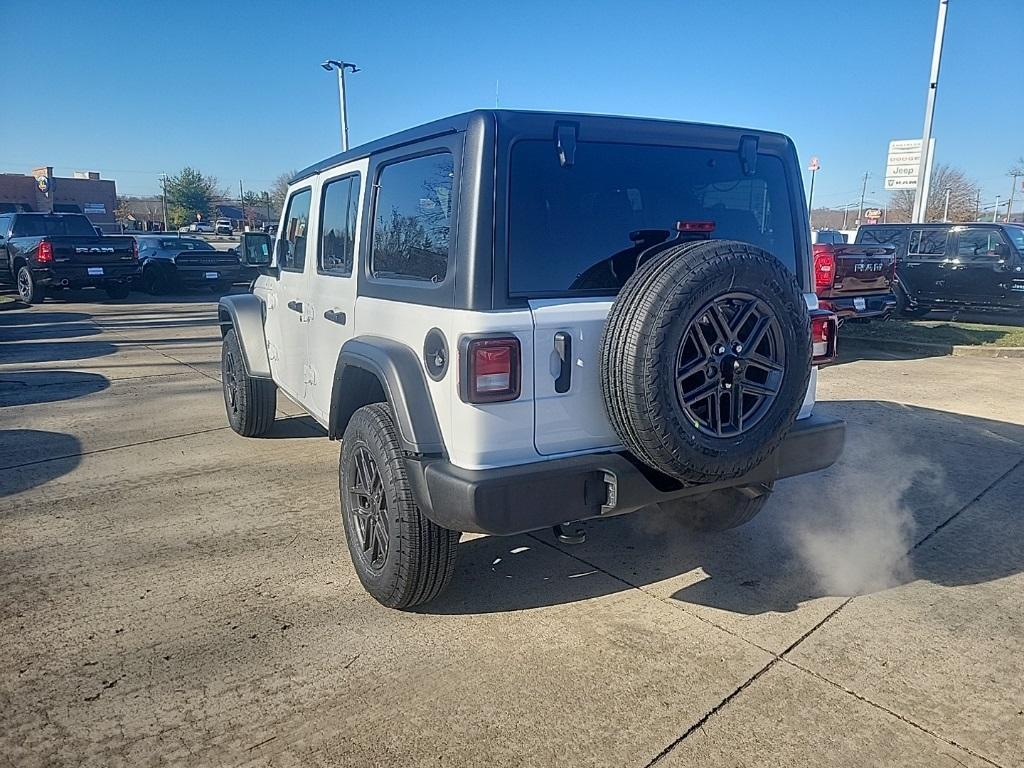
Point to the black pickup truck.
(42, 252)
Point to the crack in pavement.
(781, 657)
(114, 447)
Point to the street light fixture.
(341, 66)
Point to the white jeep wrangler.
(514, 320)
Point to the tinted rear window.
(53, 226)
(566, 224)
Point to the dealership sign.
(903, 163)
(94, 208)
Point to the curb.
(958, 350)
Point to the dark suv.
(956, 266)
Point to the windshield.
(1016, 235)
(185, 244)
(42, 225)
(569, 227)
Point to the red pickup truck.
(855, 281)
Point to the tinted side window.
(881, 235)
(338, 225)
(292, 255)
(5, 224)
(978, 244)
(928, 242)
(412, 219)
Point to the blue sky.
(134, 89)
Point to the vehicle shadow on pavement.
(33, 387)
(850, 529)
(14, 479)
(53, 351)
(294, 427)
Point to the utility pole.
(266, 196)
(1009, 205)
(863, 191)
(241, 200)
(923, 171)
(995, 211)
(341, 66)
(945, 212)
(163, 178)
(977, 207)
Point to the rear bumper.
(846, 307)
(509, 500)
(75, 276)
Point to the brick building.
(85, 192)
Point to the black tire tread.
(425, 560)
(650, 301)
(258, 396)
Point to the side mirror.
(256, 249)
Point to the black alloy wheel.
(730, 364)
(369, 510)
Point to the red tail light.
(135, 249)
(824, 267)
(491, 368)
(695, 226)
(824, 333)
(44, 253)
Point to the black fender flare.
(399, 371)
(244, 313)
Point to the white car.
(197, 226)
(223, 227)
(519, 320)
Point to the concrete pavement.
(175, 594)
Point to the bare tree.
(963, 197)
(279, 189)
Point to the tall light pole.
(341, 66)
(945, 211)
(923, 180)
(995, 211)
(814, 167)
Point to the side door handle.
(563, 348)
(335, 316)
(295, 306)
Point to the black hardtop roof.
(462, 121)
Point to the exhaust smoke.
(858, 537)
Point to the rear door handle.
(335, 316)
(563, 348)
(295, 306)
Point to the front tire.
(720, 510)
(401, 557)
(29, 291)
(250, 402)
(155, 281)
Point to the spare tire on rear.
(705, 359)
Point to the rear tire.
(720, 510)
(118, 291)
(401, 557)
(250, 402)
(29, 291)
(905, 309)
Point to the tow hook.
(570, 533)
